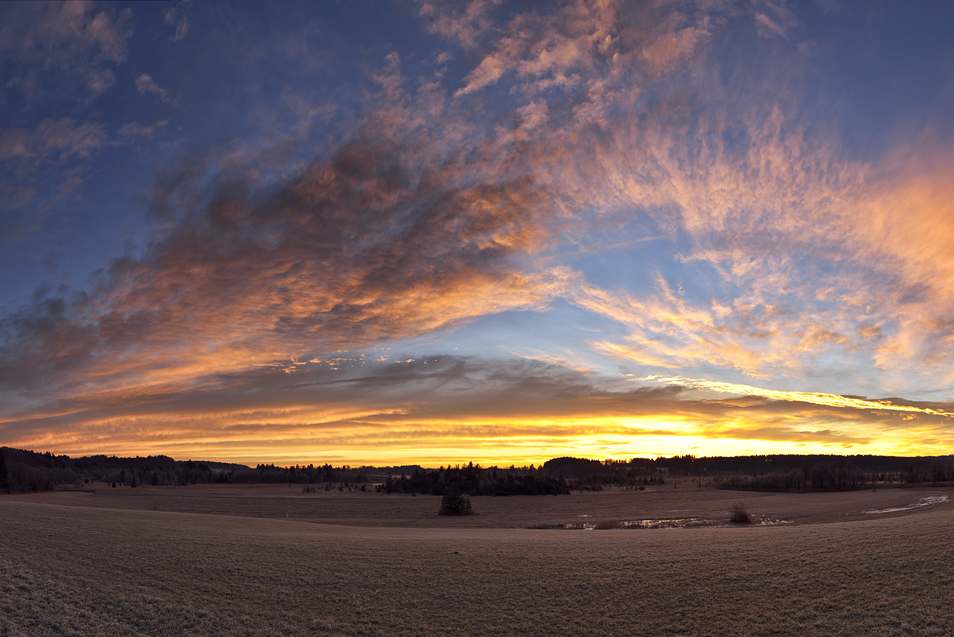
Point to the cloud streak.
(815, 398)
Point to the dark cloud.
(339, 250)
(42, 343)
(373, 241)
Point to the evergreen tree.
(455, 503)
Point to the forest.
(763, 473)
(22, 471)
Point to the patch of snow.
(923, 502)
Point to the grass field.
(124, 570)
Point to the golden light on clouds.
(583, 425)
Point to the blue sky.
(419, 231)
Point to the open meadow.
(225, 559)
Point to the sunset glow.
(481, 231)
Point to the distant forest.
(22, 471)
(762, 473)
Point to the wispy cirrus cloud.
(803, 277)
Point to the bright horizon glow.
(476, 231)
(488, 444)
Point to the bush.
(739, 514)
(455, 503)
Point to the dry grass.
(68, 570)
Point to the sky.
(411, 231)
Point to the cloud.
(73, 38)
(808, 252)
(315, 395)
(145, 84)
(137, 131)
(176, 17)
(363, 245)
(548, 50)
(374, 241)
(774, 19)
(906, 234)
(99, 81)
(674, 42)
(463, 23)
(53, 140)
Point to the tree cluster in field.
(310, 475)
(472, 479)
(593, 475)
(455, 503)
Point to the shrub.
(455, 503)
(739, 514)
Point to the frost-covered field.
(835, 570)
(678, 500)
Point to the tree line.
(840, 475)
(767, 472)
(22, 470)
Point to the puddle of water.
(666, 523)
(923, 502)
